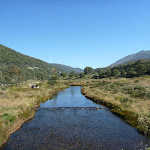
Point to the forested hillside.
(11, 57)
(129, 70)
(15, 67)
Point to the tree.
(88, 70)
(140, 69)
(2, 78)
(76, 75)
(72, 74)
(101, 74)
(8, 80)
(81, 75)
(96, 75)
(14, 73)
(116, 73)
(108, 72)
(63, 74)
(52, 80)
(131, 73)
(148, 69)
(123, 73)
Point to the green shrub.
(118, 84)
(52, 80)
(136, 81)
(123, 99)
(137, 92)
(139, 88)
(8, 119)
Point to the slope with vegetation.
(140, 55)
(129, 70)
(16, 67)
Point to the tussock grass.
(17, 105)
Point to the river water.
(71, 121)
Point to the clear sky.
(77, 33)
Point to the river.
(71, 121)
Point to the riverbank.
(18, 105)
(128, 116)
(127, 98)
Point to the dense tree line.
(71, 75)
(129, 70)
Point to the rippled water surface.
(71, 121)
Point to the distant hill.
(67, 69)
(137, 56)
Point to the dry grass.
(17, 104)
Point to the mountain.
(67, 69)
(133, 57)
(15, 67)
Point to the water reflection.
(70, 97)
(72, 91)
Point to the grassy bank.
(127, 98)
(18, 105)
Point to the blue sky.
(77, 33)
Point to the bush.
(136, 81)
(118, 84)
(8, 119)
(139, 88)
(52, 80)
(72, 74)
(63, 74)
(137, 92)
(81, 75)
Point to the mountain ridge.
(143, 54)
(66, 68)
